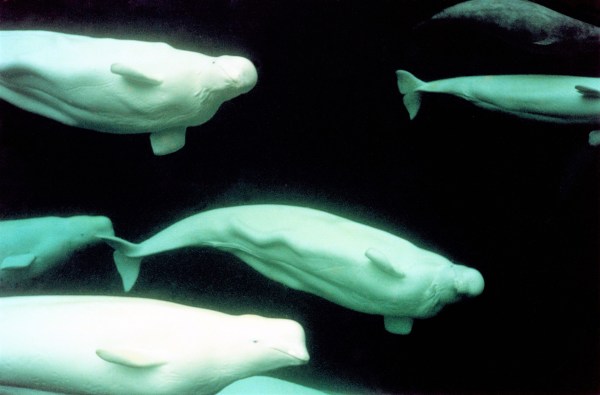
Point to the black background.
(325, 127)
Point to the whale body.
(353, 265)
(521, 22)
(29, 247)
(118, 86)
(550, 98)
(115, 345)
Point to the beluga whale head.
(271, 343)
(241, 72)
(453, 283)
(436, 284)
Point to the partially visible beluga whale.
(118, 86)
(262, 385)
(130, 346)
(558, 99)
(30, 247)
(525, 23)
(353, 265)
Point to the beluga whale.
(29, 247)
(559, 99)
(348, 263)
(110, 345)
(118, 86)
(524, 23)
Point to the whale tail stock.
(128, 266)
(408, 85)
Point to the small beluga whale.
(353, 265)
(524, 23)
(29, 247)
(557, 99)
(131, 346)
(118, 86)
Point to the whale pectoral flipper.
(588, 92)
(130, 357)
(398, 325)
(167, 141)
(134, 74)
(382, 262)
(547, 41)
(15, 262)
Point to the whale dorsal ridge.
(15, 262)
(381, 261)
(134, 74)
(130, 357)
(586, 91)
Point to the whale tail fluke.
(408, 85)
(127, 265)
(128, 268)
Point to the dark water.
(326, 127)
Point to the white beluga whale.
(131, 346)
(118, 86)
(29, 247)
(353, 265)
(557, 99)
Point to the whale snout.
(290, 340)
(468, 281)
(240, 70)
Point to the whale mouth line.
(299, 359)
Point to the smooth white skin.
(55, 343)
(325, 255)
(549, 98)
(261, 385)
(75, 80)
(48, 240)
